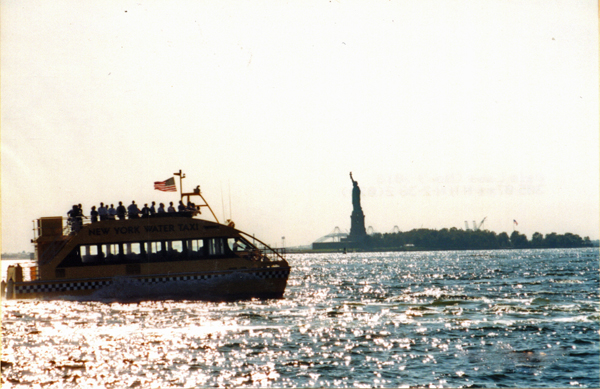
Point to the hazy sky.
(444, 111)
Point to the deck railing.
(269, 252)
(274, 254)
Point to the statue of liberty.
(357, 227)
(355, 195)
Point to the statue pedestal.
(357, 226)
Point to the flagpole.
(181, 177)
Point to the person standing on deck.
(133, 211)
(103, 212)
(73, 214)
(121, 211)
(145, 211)
(112, 212)
(94, 214)
(79, 216)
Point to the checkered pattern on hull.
(37, 287)
(63, 287)
(264, 275)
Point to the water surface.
(519, 318)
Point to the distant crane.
(476, 227)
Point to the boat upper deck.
(158, 226)
(169, 235)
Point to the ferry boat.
(163, 256)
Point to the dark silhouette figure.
(355, 195)
(357, 227)
(94, 214)
(121, 211)
(133, 211)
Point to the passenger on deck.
(181, 207)
(72, 213)
(121, 211)
(152, 209)
(133, 211)
(191, 206)
(80, 214)
(112, 212)
(94, 214)
(171, 208)
(145, 211)
(103, 212)
(161, 208)
(73, 216)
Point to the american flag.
(514, 221)
(166, 186)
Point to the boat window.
(239, 244)
(103, 250)
(112, 249)
(92, 250)
(91, 253)
(177, 245)
(155, 247)
(189, 249)
(216, 246)
(84, 251)
(195, 245)
(134, 248)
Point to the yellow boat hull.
(210, 286)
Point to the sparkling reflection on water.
(527, 318)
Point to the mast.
(181, 177)
(196, 192)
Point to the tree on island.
(455, 239)
(503, 240)
(518, 241)
(537, 240)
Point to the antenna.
(222, 202)
(229, 183)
